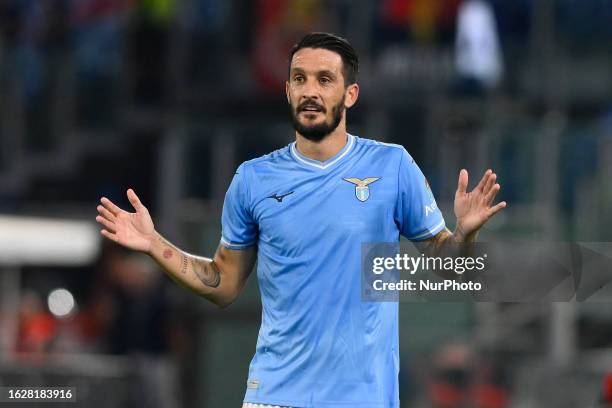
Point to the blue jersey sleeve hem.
(232, 245)
(428, 233)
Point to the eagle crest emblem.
(362, 189)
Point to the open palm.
(474, 208)
(132, 230)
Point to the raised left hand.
(473, 209)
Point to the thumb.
(463, 181)
(134, 200)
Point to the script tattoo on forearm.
(207, 273)
(183, 263)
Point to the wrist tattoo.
(207, 273)
(168, 252)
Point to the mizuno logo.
(279, 198)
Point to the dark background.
(169, 97)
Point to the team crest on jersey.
(362, 189)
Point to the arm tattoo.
(168, 252)
(183, 263)
(207, 273)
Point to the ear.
(287, 92)
(351, 95)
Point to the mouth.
(311, 109)
(310, 114)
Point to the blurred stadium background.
(169, 96)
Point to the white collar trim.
(323, 165)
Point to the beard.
(318, 132)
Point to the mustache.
(310, 104)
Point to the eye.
(325, 80)
(298, 78)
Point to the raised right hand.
(132, 230)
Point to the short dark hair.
(334, 43)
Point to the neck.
(323, 149)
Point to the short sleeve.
(416, 212)
(238, 228)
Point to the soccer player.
(303, 212)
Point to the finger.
(108, 204)
(109, 235)
(109, 225)
(463, 181)
(497, 208)
(483, 180)
(105, 213)
(134, 200)
(489, 184)
(490, 195)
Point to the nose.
(310, 91)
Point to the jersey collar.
(327, 163)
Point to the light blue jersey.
(319, 344)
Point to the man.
(304, 211)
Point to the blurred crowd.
(124, 308)
(99, 34)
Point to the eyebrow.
(298, 70)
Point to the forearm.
(451, 244)
(198, 274)
(447, 244)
